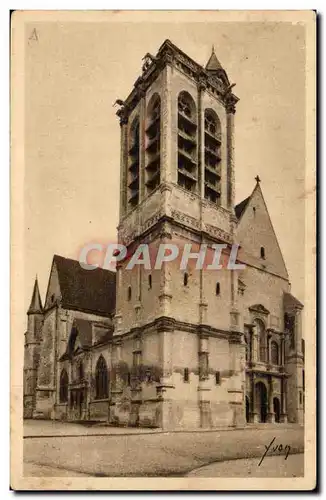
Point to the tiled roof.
(240, 208)
(87, 290)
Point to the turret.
(32, 350)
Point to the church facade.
(173, 347)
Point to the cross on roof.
(257, 179)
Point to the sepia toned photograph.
(163, 250)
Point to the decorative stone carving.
(185, 219)
(218, 233)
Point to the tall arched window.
(63, 396)
(212, 156)
(274, 353)
(133, 168)
(101, 379)
(187, 142)
(262, 340)
(153, 143)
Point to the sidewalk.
(52, 428)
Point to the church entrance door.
(261, 398)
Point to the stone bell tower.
(177, 186)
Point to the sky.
(74, 72)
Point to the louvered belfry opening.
(133, 168)
(153, 143)
(212, 156)
(187, 142)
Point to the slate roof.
(82, 329)
(87, 290)
(240, 208)
(213, 63)
(291, 302)
(36, 302)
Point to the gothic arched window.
(63, 396)
(212, 156)
(262, 339)
(153, 143)
(274, 353)
(187, 142)
(133, 164)
(101, 379)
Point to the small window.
(128, 379)
(217, 378)
(52, 297)
(185, 279)
(129, 292)
(300, 397)
(186, 375)
(80, 371)
(262, 252)
(149, 281)
(217, 289)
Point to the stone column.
(166, 272)
(123, 165)
(298, 330)
(283, 416)
(251, 345)
(166, 127)
(142, 143)
(201, 86)
(203, 383)
(118, 286)
(165, 388)
(117, 385)
(254, 344)
(230, 109)
(282, 352)
(253, 414)
(268, 354)
(270, 413)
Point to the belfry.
(171, 347)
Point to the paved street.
(107, 452)
(275, 466)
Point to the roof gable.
(81, 289)
(255, 231)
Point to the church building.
(173, 348)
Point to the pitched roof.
(88, 290)
(36, 302)
(82, 329)
(291, 302)
(240, 208)
(213, 63)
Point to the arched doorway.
(261, 401)
(276, 407)
(247, 409)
